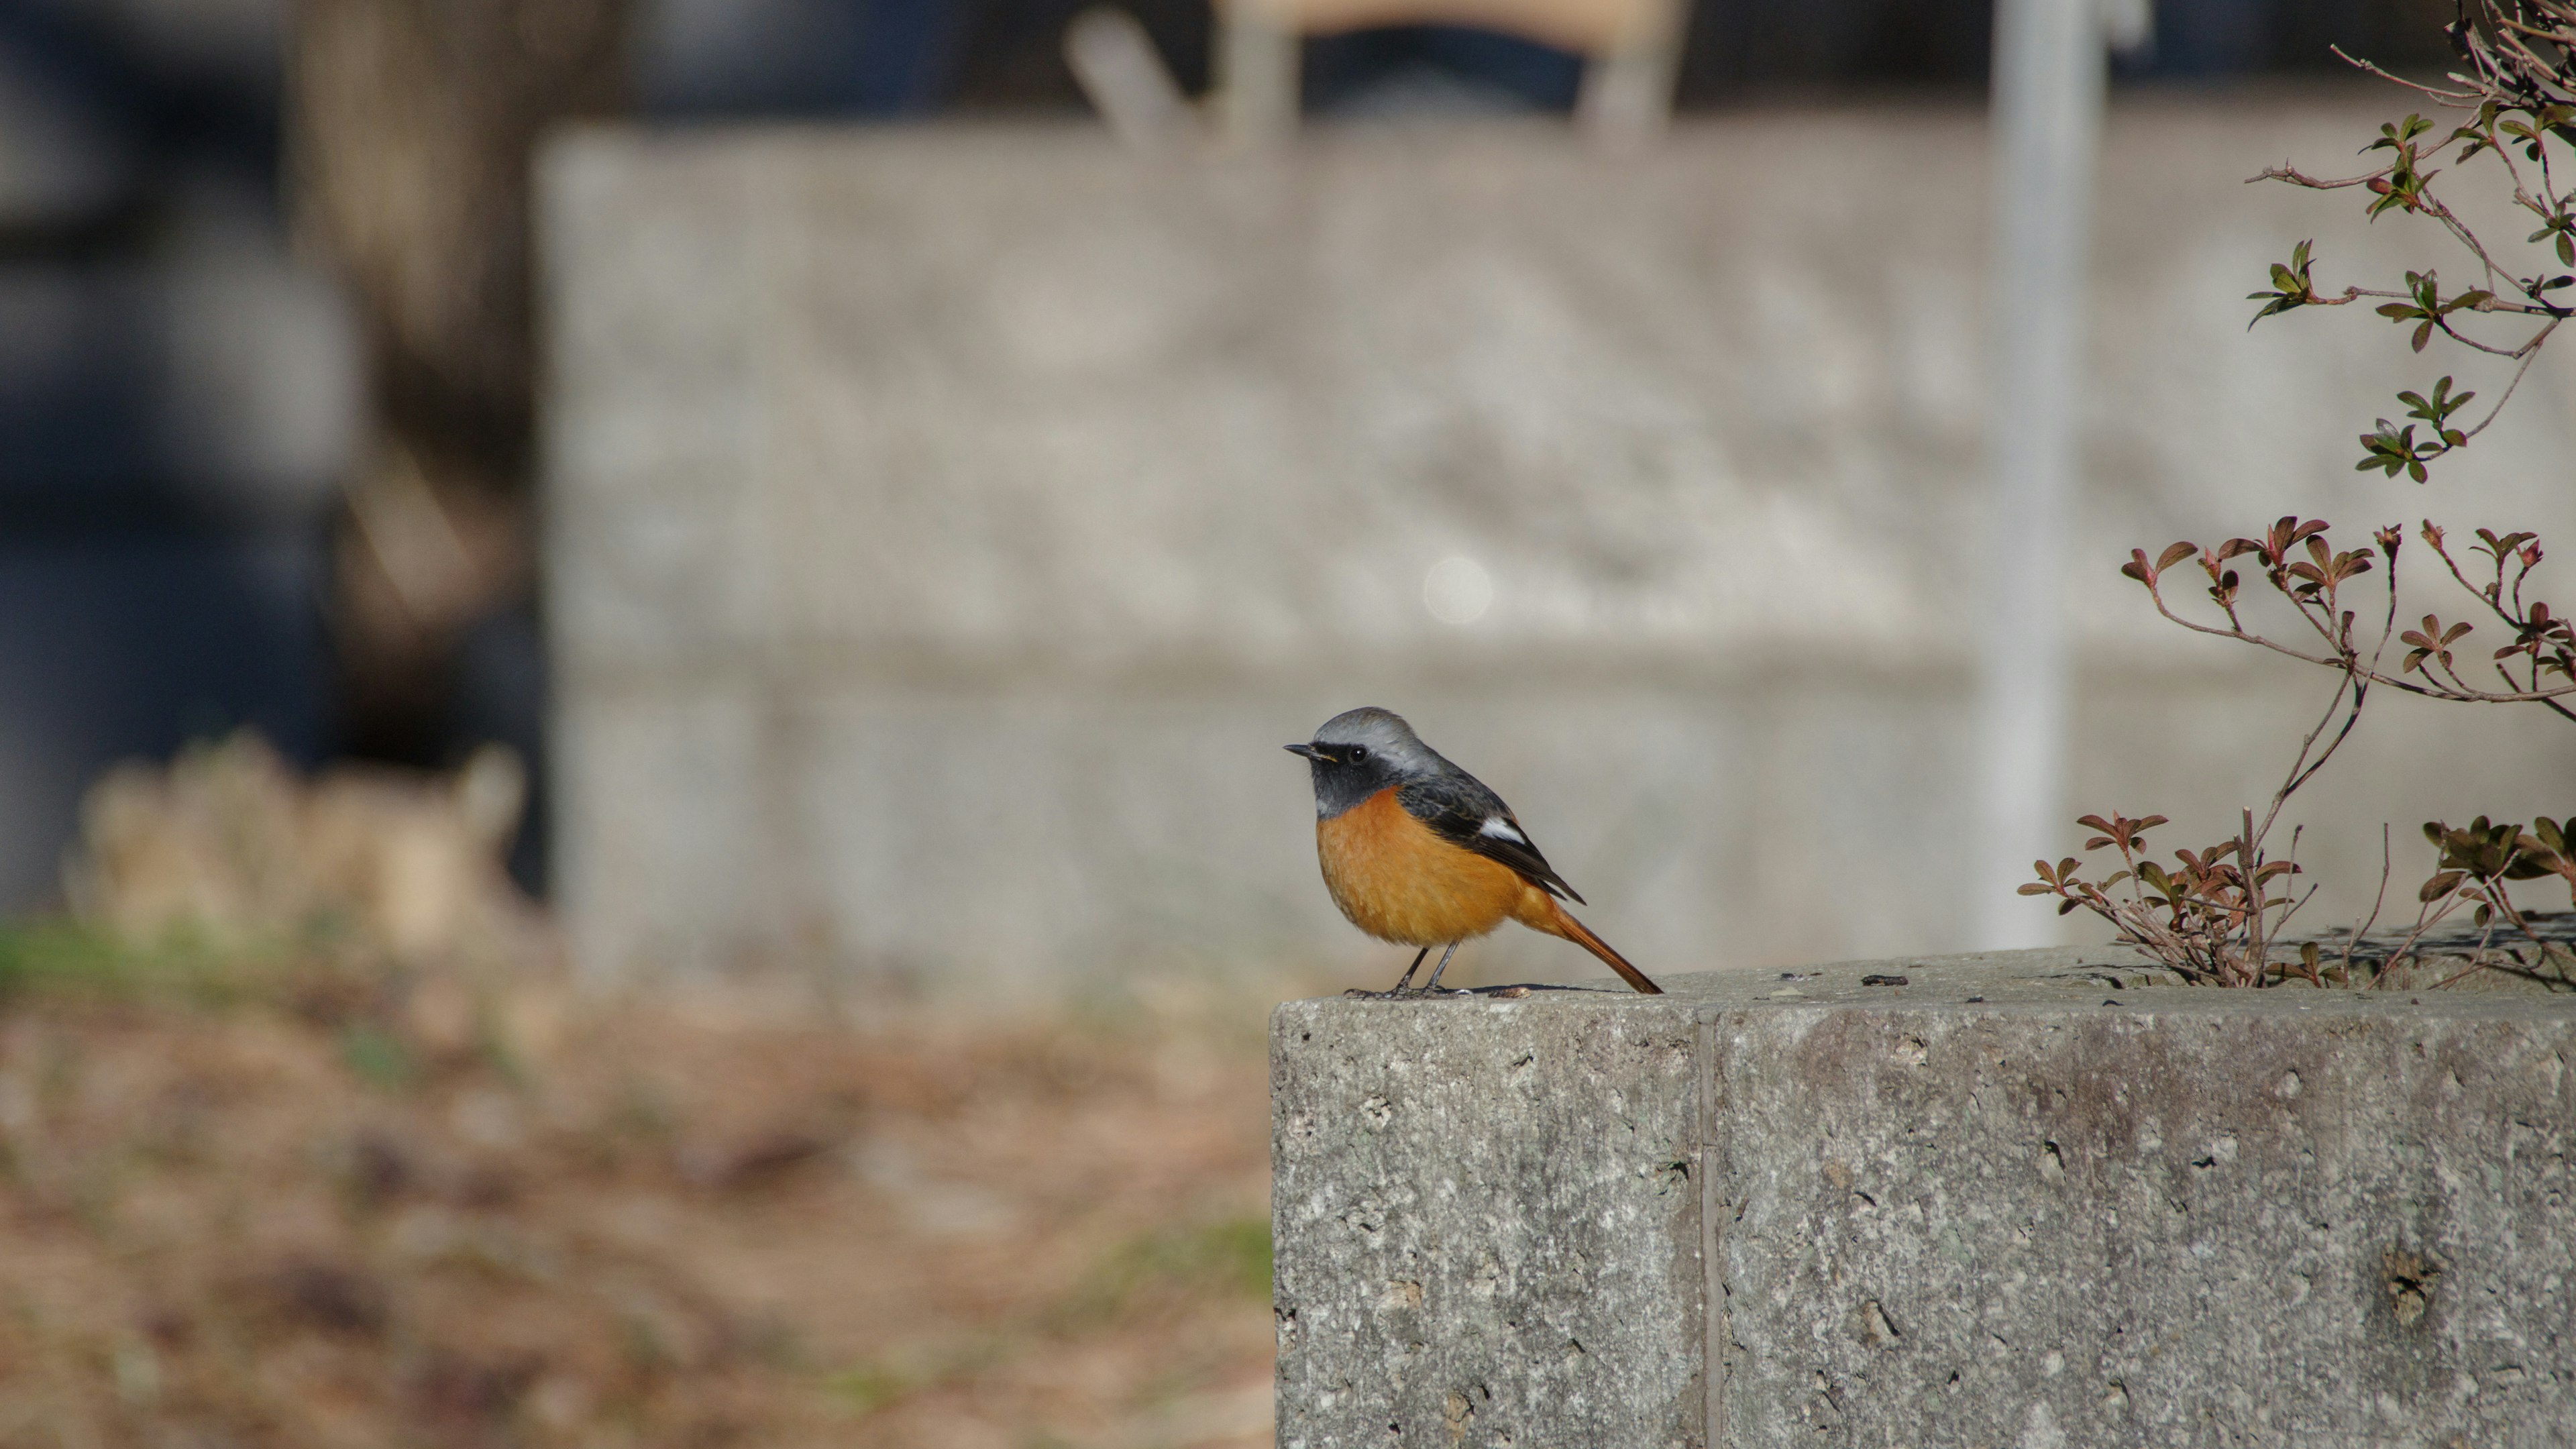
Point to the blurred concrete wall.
(947, 526)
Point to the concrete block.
(2028, 1199)
(1487, 1225)
(677, 857)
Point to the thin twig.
(2529, 351)
(2449, 98)
(2376, 902)
(2461, 694)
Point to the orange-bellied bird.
(1418, 852)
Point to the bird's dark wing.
(1459, 808)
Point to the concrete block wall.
(2030, 1199)
(947, 525)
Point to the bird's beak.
(1309, 751)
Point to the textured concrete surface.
(2023, 1200)
(947, 525)
(1417, 1155)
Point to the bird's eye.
(1359, 753)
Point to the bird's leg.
(1434, 983)
(1407, 979)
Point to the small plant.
(2207, 919)
(2519, 86)
(2217, 915)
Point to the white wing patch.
(1501, 829)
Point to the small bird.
(1418, 852)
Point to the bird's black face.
(1346, 774)
(1360, 752)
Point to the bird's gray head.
(1362, 751)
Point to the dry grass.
(349, 1210)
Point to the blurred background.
(646, 640)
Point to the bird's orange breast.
(1399, 881)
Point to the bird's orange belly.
(1399, 881)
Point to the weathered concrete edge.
(1417, 1075)
(2059, 986)
(1833, 1080)
(1715, 1310)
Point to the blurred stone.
(947, 526)
(231, 845)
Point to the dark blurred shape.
(124, 641)
(97, 96)
(500, 694)
(175, 407)
(1436, 67)
(2406, 35)
(2197, 39)
(803, 57)
(1611, 62)
(69, 160)
(1735, 47)
(1008, 57)
(1740, 49)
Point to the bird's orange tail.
(1555, 920)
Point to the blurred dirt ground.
(313, 1205)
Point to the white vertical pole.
(1257, 61)
(2048, 89)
